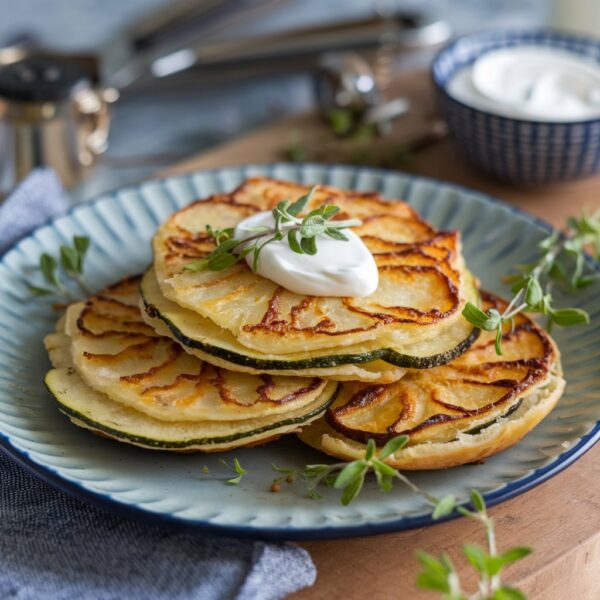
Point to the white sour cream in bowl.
(531, 82)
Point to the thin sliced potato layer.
(421, 290)
(117, 354)
(439, 406)
(464, 449)
(95, 411)
(361, 362)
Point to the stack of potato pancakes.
(214, 360)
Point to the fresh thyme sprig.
(71, 262)
(301, 235)
(350, 477)
(562, 262)
(438, 574)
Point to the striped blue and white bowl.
(512, 149)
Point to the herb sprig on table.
(301, 234)
(438, 574)
(70, 264)
(561, 262)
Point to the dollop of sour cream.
(339, 268)
(531, 82)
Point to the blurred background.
(189, 75)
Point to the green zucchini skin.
(332, 360)
(480, 428)
(183, 444)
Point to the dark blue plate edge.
(142, 515)
(137, 513)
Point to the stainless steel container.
(51, 114)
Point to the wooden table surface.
(561, 517)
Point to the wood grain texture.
(561, 517)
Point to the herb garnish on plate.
(562, 262)
(71, 262)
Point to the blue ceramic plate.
(172, 488)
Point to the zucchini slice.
(455, 413)
(116, 353)
(204, 338)
(96, 411)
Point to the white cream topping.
(531, 82)
(339, 268)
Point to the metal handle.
(409, 31)
(93, 123)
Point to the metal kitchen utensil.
(164, 55)
(54, 109)
(51, 114)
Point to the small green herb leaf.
(352, 490)
(295, 208)
(474, 314)
(350, 473)
(498, 341)
(225, 261)
(371, 447)
(444, 507)
(285, 470)
(69, 259)
(382, 468)
(336, 234)
(488, 321)
(533, 292)
(476, 556)
(393, 445)
(81, 244)
(312, 471)
(385, 482)
(293, 241)
(477, 501)
(550, 241)
(313, 226)
(567, 317)
(435, 574)
(309, 245)
(238, 469)
(48, 267)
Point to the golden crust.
(464, 450)
(443, 409)
(434, 405)
(377, 371)
(93, 410)
(420, 274)
(118, 354)
(209, 342)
